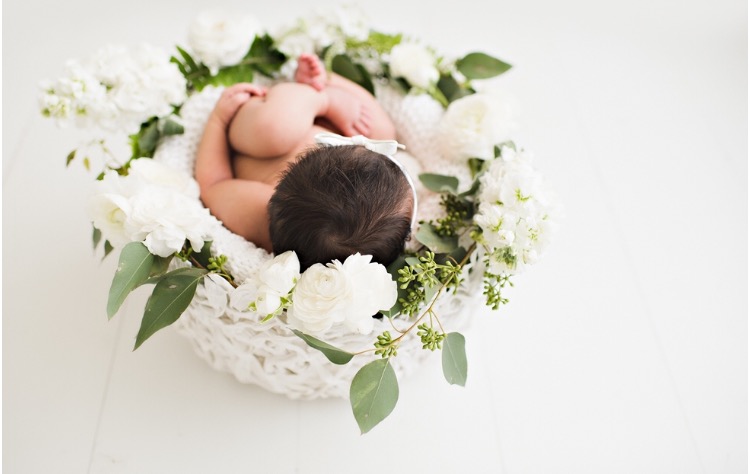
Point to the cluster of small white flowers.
(154, 204)
(415, 63)
(515, 213)
(321, 297)
(324, 29)
(472, 125)
(116, 89)
(218, 38)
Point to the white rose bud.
(414, 63)
(280, 273)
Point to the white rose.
(221, 39)
(109, 212)
(154, 172)
(414, 63)
(373, 289)
(165, 218)
(280, 273)
(472, 126)
(322, 297)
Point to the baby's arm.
(239, 204)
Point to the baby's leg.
(274, 125)
(379, 123)
(352, 109)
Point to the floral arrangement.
(498, 222)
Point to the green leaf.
(345, 67)
(475, 165)
(439, 183)
(87, 163)
(373, 394)
(265, 58)
(70, 157)
(96, 237)
(334, 354)
(435, 242)
(205, 253)
(382, 42)
(148, 138)
(171, 297)
(448, 86)
(158, 269)
(454, 359)
(481, 66)
(171, 127)
(366, 81)
(189, 61)
(132, 270)
(232, 75)
(108, 248)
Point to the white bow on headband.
(384, 147)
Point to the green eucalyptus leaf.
(345, 67)
(96, 237)
(108, 248)
(454, 359)
(481, 66)
(132, 269)
(148, 138)
(439, 183)
(158, 269)
(334, 354)
(435, 242)
(476, 165)
(171, 127)
(171, 297)
(448, 86)
(463, 92)
(366, 81)
(70, 157)
(431, 291)
(373, 394)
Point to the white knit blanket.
(269, 354)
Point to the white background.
(623, 351)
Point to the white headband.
(387, 148)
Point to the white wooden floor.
(624, 351)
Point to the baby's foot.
(346, 112)
(310, 71)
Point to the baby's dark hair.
(336, 201)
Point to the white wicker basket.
(269, 354)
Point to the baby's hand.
(232, 99)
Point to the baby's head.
(336, 201)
